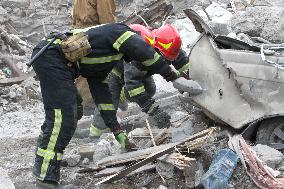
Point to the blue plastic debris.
(220, 170)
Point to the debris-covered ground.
(24, 23)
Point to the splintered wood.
(178, 160)
(151, 154)
(155, 12)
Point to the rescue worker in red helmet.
(98, 49)
(127, 82)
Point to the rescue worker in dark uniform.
(99, 49)
(128, 83)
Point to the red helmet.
(144, 32)
(168, 41)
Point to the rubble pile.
(172, 160)
(260, 21)
(14, 52)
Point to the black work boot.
(52, 185)
(159, 118)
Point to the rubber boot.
(96, 132)
(52, 185)
(159, 118)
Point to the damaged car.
(243, 84)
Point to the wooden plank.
(130, 156)
(155, 155)
(156, 11)
(114, 170)
(159, 138)
(12, 81)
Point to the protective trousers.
(103, 100)
(139, 87)
(59, 99)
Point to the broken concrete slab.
(166, 170)
(87, 150)
(182, 132)
(5, 181)
(100, 152)
(260, 22)
(193, 174)
(272, 157)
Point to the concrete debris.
(260, 22)
(153, 153)
(100, 152)
(86, 161)
(24, 23)
(87, 150)
(182, 132)
(72, 160)
(170, 165)
(273, 158)
(5, 181)
(193, 173)
(166, 170)
(162, 187)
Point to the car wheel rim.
(276, 139)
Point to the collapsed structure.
(88, 160)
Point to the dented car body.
(240, 84)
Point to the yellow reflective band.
(151, 61)
(52, 142)
(152, 108)
(116, 72)
(126, 35)
(105, 81)
(96, 132)
(122, 95)
(136, 91)
(57, 41)
(76, 31)
(48, 154)
(184, 68)
(106, 107)
(45, 153)
(59, 156)
(152, 41)
(166, 45)
(101, 60)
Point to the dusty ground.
(22, 114)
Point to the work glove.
(190, 86)
(171, 76)
(123, 140)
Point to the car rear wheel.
(271, 133)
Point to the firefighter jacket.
(112, 43)
(93, 12)
(181, 65)
(127, 82)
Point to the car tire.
(271, 133)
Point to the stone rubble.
(24, 23)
